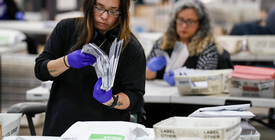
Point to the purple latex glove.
(169, 78)
(101, 95)
(156, 63)
(19, 15)
(78, 60)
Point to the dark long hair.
(85, 26)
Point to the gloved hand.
(19, 15)
(169, 78)
(156, 63)
(78, 60)
(101, 95)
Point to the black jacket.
(71, 96)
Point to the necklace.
(102, 43)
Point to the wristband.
(115, 102)
(65, 61)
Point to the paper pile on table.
(250, 81)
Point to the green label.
(106, 137)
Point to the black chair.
(33, 108)
(30, 109)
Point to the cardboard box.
(249, 81)
(252, 88)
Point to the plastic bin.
(218, 81)
(261, 45)
(198, 128)
(10, 124)
(233, 44)
(256, 136)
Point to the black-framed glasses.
(189, 22)
(102, 10)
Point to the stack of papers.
(105, 66)
(179, 56)
(224, 111)
(253, 73)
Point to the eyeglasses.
(102, 10)
(180, 21)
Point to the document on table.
(105, 130)
(224, 111)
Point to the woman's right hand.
(156, 63)
(78, 60)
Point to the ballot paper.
(224, 111)
(105, 130)
(105, 65)
(179, 56)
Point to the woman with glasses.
(189, 23)
(75, 94)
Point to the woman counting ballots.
(75, 93)
(190, 24)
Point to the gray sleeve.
(155, 47)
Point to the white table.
(221, 99)
(243, 56)
(158, 91)
(32, 27)
(12, 49)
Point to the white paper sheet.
(178, 57)
(224, 111)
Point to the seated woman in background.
(190, 24)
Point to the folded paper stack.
(105, 66)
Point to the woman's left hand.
(101, 95)
(169, 78)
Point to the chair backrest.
(224, 61)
